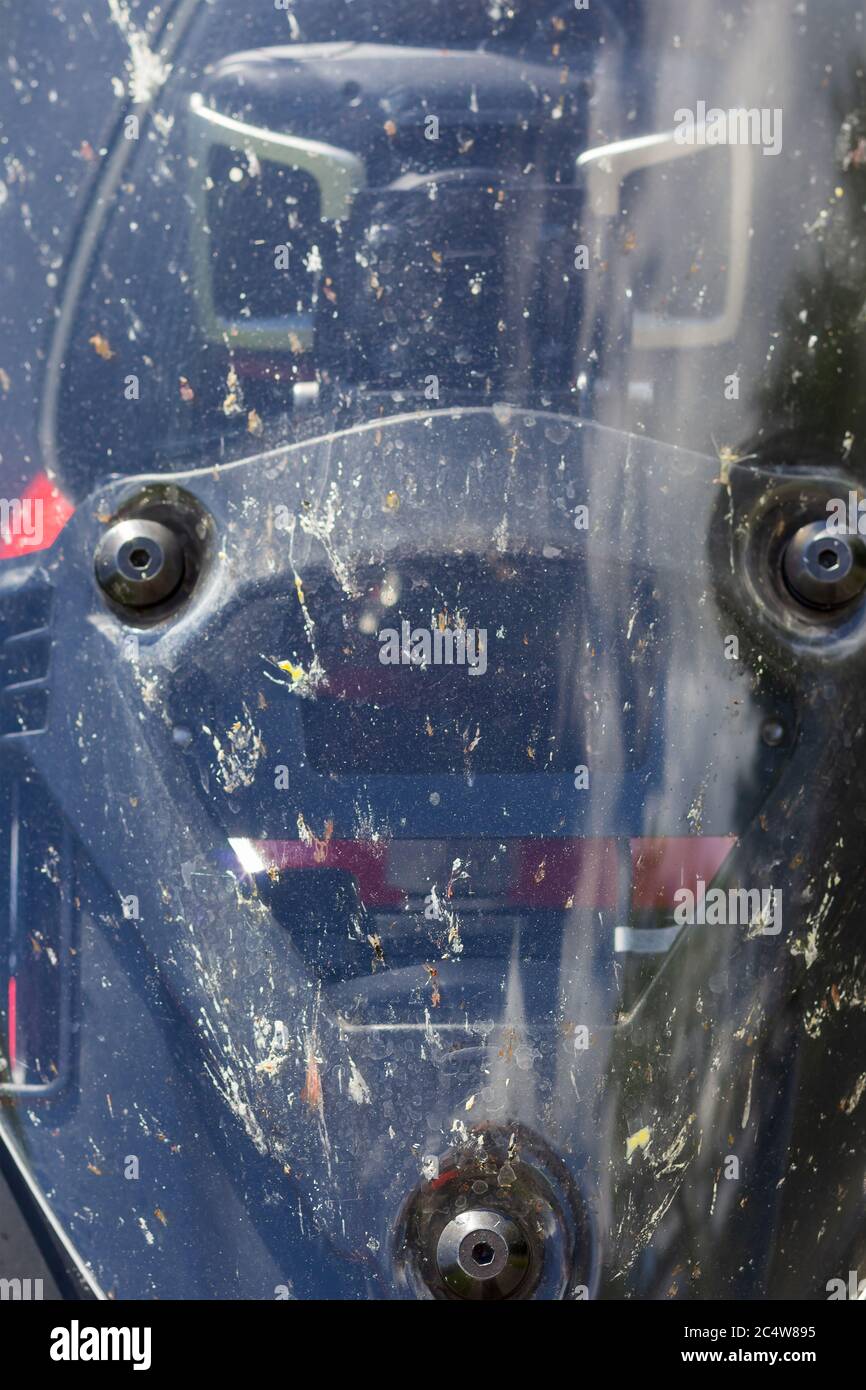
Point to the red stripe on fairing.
(546, 873)
(660, 866)
(367, 862)
(56, 511)
(559, 873)
(13, 1024)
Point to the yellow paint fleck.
(294, 671)
(639, 1140)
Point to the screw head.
(773, 732)
(823, 567)
(139, 563)
(482, 1254)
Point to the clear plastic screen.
(440, 835)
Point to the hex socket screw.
(139, 563)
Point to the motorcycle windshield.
(432, 642)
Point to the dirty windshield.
(435, 645)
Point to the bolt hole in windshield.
(466, 797)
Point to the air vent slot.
(25, 655)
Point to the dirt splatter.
(101, 346)
(850, 1102)
(238, 757)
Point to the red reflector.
(13, 1025)
(33, 521)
